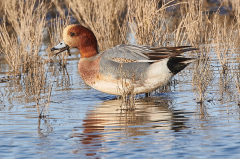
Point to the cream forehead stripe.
(65, 31)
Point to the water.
(84, 123)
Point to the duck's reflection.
(108, 124)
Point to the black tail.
(177, 64)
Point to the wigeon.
(123, 69)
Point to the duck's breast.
(89, 70)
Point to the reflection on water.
(34, 88)
(105, 123)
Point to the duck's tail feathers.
(176, 64)
(159, 53)
(188, 60)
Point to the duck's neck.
(88, 43)
(87, 52)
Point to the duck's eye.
(72, 34)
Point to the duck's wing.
(134, 60)
(142, 53)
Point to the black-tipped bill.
(61, 47)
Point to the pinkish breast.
(88, 70)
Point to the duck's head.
(77, 36)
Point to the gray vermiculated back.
(132, 52)
(130, 70)
(117, 70)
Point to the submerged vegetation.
(34, 71)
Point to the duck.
(124, 69)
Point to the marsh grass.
(104, 18)
(55, 31)
(148, 23)
(217, 39)
(21, 49)
(126, 89)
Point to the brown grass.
(104, 18)
(21, 49)
(128, 21)
(55, 31)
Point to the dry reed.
(21, 49)
(55, 35)
(130, 21)
(104, 18)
